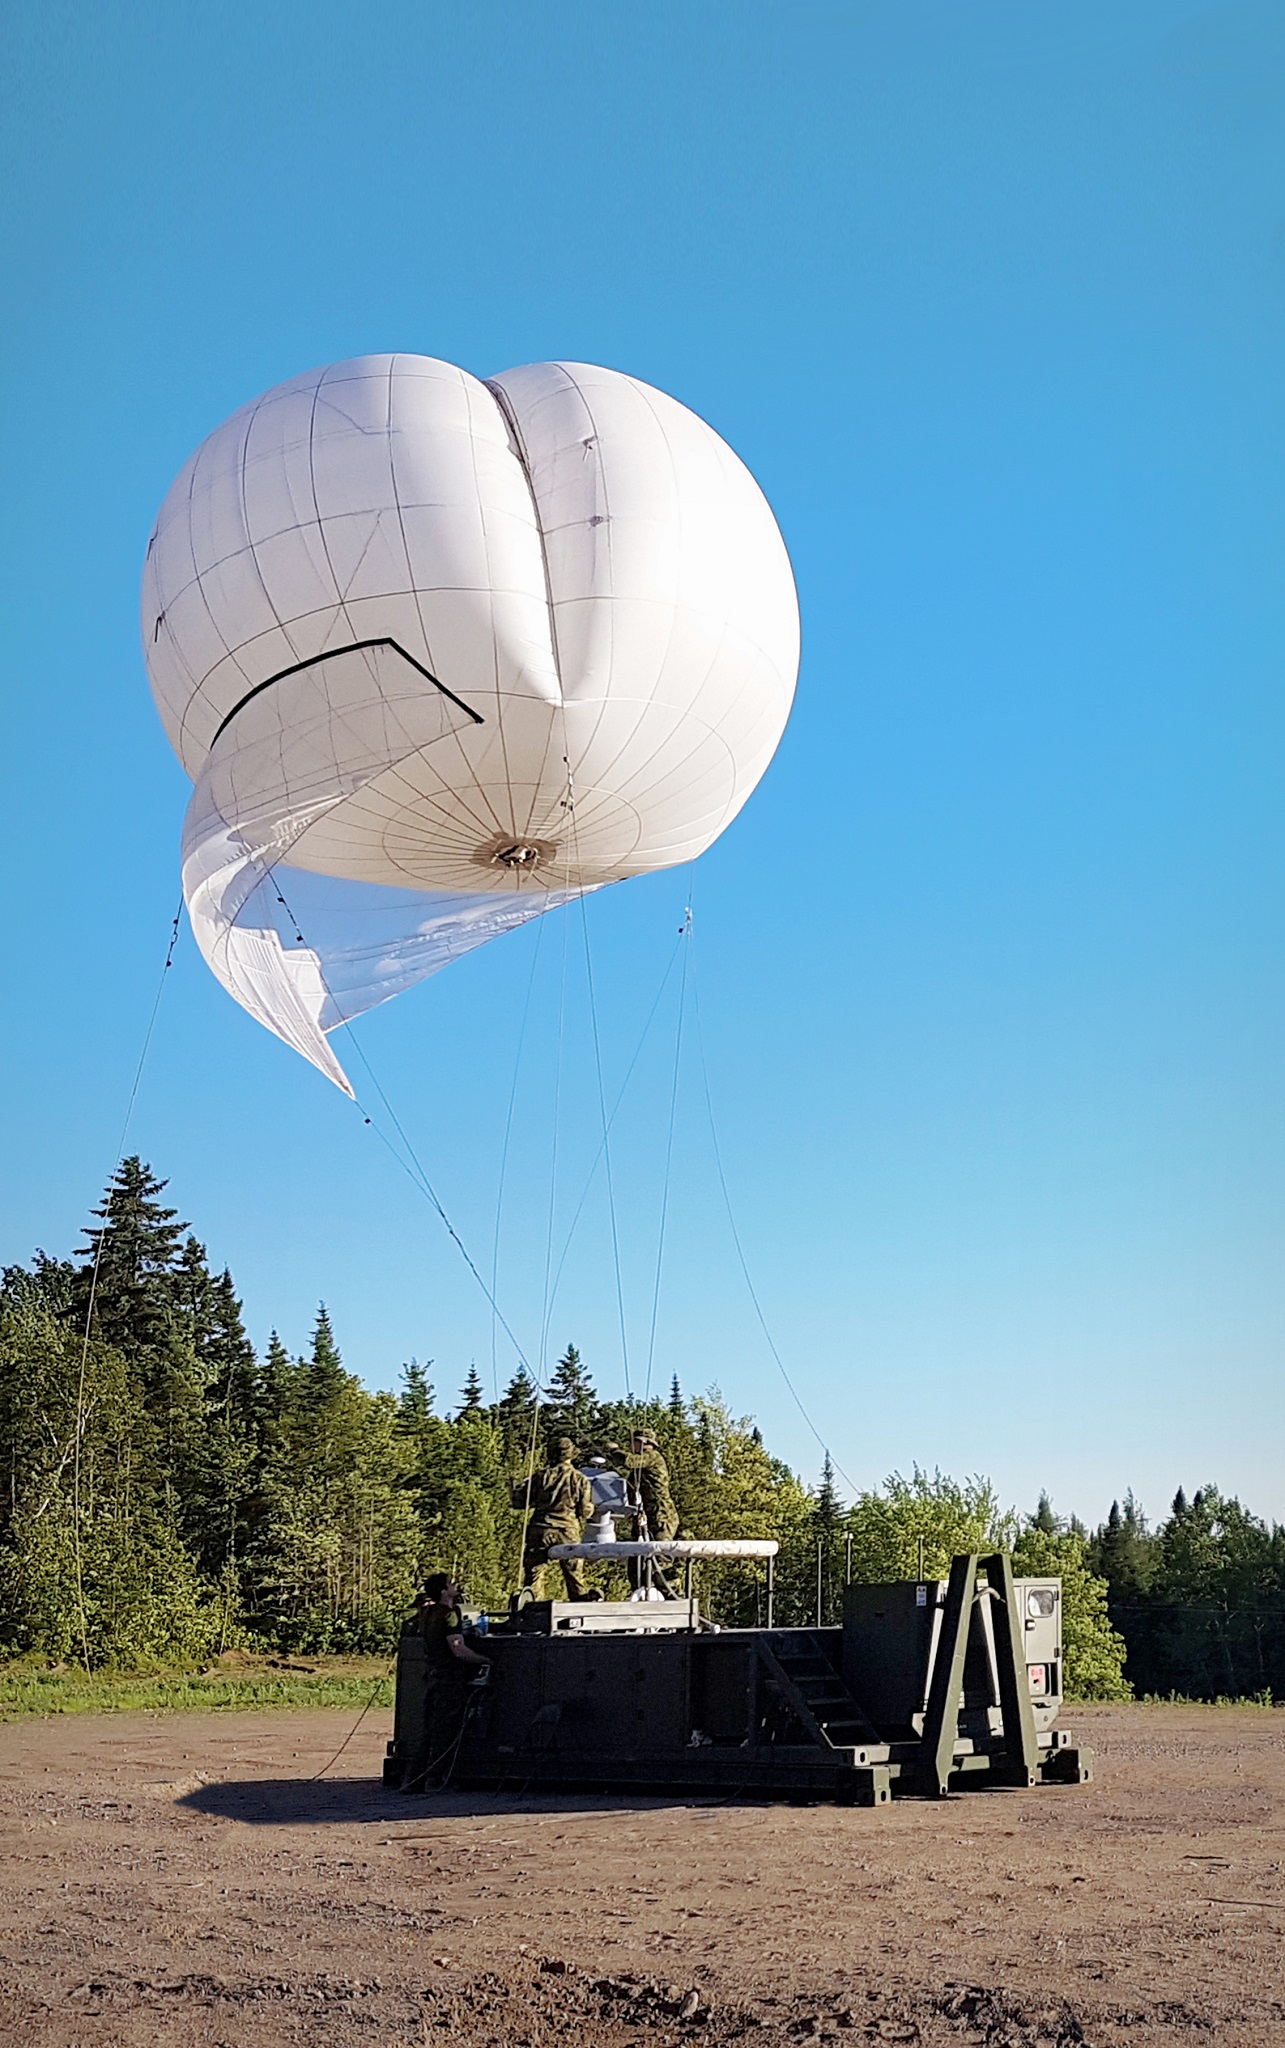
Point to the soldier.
(648, 1477)
(560, 1501)
(453, 1669)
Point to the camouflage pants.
(535, 1558)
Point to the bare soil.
(176, 1879)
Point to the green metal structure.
(928, 1687)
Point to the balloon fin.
(304, 952)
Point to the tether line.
(684, 933)
(606, 1151)
(504, 1152)
(416, 1173)
(589, 1178)
(736, 1240)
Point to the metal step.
(831, 1714)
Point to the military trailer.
(928, 1686)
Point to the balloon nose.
(517, 856)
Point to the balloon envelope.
(441, 654)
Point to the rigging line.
(418, 1174)
(684, 932)
(597, 1059)
(546, 1310)
(536, 1393)
(736, 1239)
(606, 1150)
(504, 1153)
(380, 1683)
(415, 1171)
(93, 1287)
(584, 1193)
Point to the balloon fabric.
(441, 654)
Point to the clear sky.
(992, 301)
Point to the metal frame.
(801, 1729)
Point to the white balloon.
(440, 654)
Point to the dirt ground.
(178, 1879)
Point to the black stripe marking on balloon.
(353, 647)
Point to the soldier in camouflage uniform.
(648, 1479)
(560, 1502)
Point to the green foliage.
(166, 1495)
(947, 1516)
(1093, 1650)
(28, 1689)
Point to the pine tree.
(676, 1407)
(1123, 1554)
(324, 1373)
(827, 1532)
(279, 1374)
(236, 1419)
(515, 1419)
(573, 1407)
(1044, 1518)
(416, 1398)
(471, 1397)
(128, 1262)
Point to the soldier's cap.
(564, 1447)
(642, 1436)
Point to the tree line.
(169, 1494)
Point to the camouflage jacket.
(559, 1498)
(648, 1477)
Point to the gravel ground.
(177, 1879)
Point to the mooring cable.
(379, 1685)
(504, 1150)
(736, 1236)
(615, 1111)
(684, 933)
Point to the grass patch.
(1183, 1699)
(34, 1690)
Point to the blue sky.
(990, 970)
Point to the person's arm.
(460, 1649)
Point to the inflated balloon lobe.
(441, 654)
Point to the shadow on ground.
(310, 1802)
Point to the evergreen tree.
(1124, 1554)
(323, 1374)
(829, 1541)
(161, 1493)
(279, 1374)
(128, 1262)
(516, 1419)
(224, 1497)
(573, 1408)
(334, 1554)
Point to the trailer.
(927, 1687)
